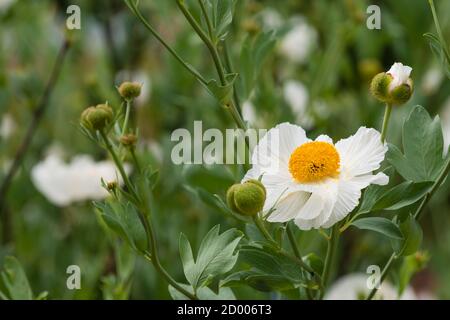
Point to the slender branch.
(207, 19)
(38, 113)
(217, 62)
(127, 117)
(230, 69)
(332, 244)
(144, 215)
(292, 241)
(439, 30)
(187, 66)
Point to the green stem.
(151, 238)
(127, 118)
(187, 66)
(260, 225)
(230, 69)
(119, 165)
(208, 21)
(387, 115)
(217, 62)
(417, 216)
(292, 241)
(332, 245)
(439, 30)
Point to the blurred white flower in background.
(7, 126)
(445, 121)
(5, 5)
(248, 112)
(271, 19)
(80, 180)
(354, 287)
(296, 96)
(298, 43)
(139, 76)
(432, 80)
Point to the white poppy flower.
(7, 126)
(298, 42)
(296, 95)
(355, 287)
(445, 122)
(248, 112)
(6, 4)
(315, 183)
(400, 75)
(80, 180)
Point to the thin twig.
(38, 113)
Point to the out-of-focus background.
(316, 74)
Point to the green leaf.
(215, 256)
(222, 93)
(380, 225)
(402, 195)
(204, 293)
(222, 16)
(14, 281)
(124, 220)
(423, 144)
(439, 50)
(412, 237)
(270, 270)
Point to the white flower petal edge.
(316, 204)
(400, 74)
(355, 286)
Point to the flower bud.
(128, 140)
(247, 198)
(112, 186)
(130, 90)
(380, 86)
(96, 118)
(395, 86)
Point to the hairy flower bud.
(96, 118)
(130, 90)
(128, 140)
(395, 86)
(247, 198)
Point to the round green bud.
(247, 198)
(258, 183)
(230, 197)
(128, 140)
(112, 185)
(379, 86)
(130, 90)
(96, 118)
(401, 94)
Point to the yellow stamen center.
(314, 161)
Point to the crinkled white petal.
(400, 74)
(274, 150)
(289, 207)
(361, 153)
